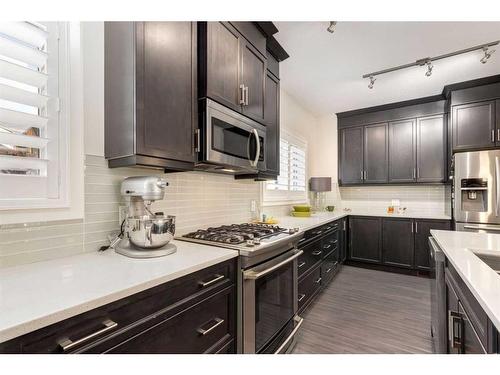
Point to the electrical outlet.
(253, 206)
(122, 214)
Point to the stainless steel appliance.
(438, 298)
(145, 234)
(229, 142)
(477, 191)
(268, 282)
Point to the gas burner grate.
(236, 233)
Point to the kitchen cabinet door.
(453, 329)
(375, 154)
(402, 151)
(271, 119)
(470, 342)
(223, 64)
(253, 77)
(166, 89)
(422, 234)
(473, 126)
(365, 239)
(351, 156)
(431, 149)
(397, 242)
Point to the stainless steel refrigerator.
(477, 191)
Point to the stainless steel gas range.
(268, 282)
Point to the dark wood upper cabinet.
(351, 155)
(365, 239)
(431, 149)
(375, 154)
(253, 77)
(397, 242)
(233, 66)
(150, 94)
(272, 121)
(402, 147)
(422, 234)
(474, 126)
(220, 61)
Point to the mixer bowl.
(151, 233)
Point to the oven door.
(270, 304)
(233, 140)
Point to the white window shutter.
(29, 116)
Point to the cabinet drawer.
(330, 243)
(125, 313)
(308, 287)
(312, 256)
(198, 329)
(329, 267)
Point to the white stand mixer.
(145, 234)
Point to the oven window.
(273, 304)
(231, 140)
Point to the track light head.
(487, 55)
(372, 82)
(331, 28)
(428, 73)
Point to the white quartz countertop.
(483, 282)
(317, 219)
(36, 295)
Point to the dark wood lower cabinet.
(422, 233)
(397, 242)
(365, 239)
(181, 316)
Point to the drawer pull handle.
(66, 344)
(328, 270)
(318, 281)
(301, 297)
(327, 246)
(204, 284)
(317, 252)
(204, 332)
(302, 264)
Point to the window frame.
(69, 202)
(284, 197)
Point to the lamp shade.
(319, 184)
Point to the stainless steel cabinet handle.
(497, 181)
(301, 297)
(328, 270)
(455, 329)
(327, 246)
(412, 226)
(302, 264)
(492, 135)
(414, 174)
(204, 284)
(252, 275)
(364, 175)
(316, 253)
(197, 147)
(416, 226)
(299, 322)
(242, 94)
(246, 95)
(66, 344)
(218, 322)
(498, 135)
(318, 281)
(361, 174)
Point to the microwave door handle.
(497, 183)
(257, 153)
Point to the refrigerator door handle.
(497, 183)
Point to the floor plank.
(368, 311)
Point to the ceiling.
(324, 70)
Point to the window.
(291, 183)
(33, 124)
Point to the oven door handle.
(252, 275)
(299, 321)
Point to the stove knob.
(293, 230)
(256, 241)
(250, 242)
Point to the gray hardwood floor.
(367, 311)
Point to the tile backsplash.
(422, 199)
(197, 199)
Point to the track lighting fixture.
(427, 61)
(331, 28)
(372, 82)
(487, 54)
(428, 73)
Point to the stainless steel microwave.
(229, 142)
